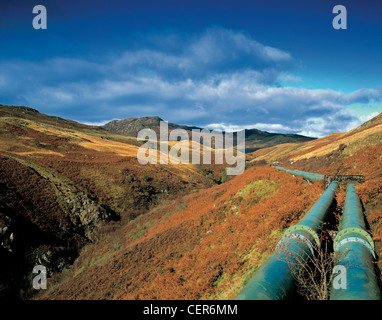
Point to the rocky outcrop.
(55, 259)
(85, 213)
(131, 126)
(6, 232)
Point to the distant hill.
(320, 153)
(255, 139)
(131, 126)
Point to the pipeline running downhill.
(274, 280)
(353, 249)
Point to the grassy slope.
(47, 161)
(208, 245)
(203, 246)
(357, 152)
(96, 161)
(367, 134)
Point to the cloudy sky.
(275, 65)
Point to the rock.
(6, 232)
(55, 259)
(86, 213)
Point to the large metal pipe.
(355, 252)
(306, 175)
(274, 280)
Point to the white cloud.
(290, 78)
(221, 78)
(270, 127)
(367, 117)
(96, 123)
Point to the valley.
(74, 198)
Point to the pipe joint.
(305, 231)
(355, 239)
(342, 239)
(301, 232)
(304, 240)
(345, 234)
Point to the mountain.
(131, 126)
(255, 139)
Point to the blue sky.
(275, 65)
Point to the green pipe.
(306, 175)
(274, 279)
(309, 175)
(355, 254)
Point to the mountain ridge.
(255, 138)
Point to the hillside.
(207, 245)
(203, 246)
(358, 151)
(75, 199)
(335, 145)
(61, 181)
(255, 139)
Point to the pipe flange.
(304, 239)
(305, 229)
(354, 239)
(359, 231)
